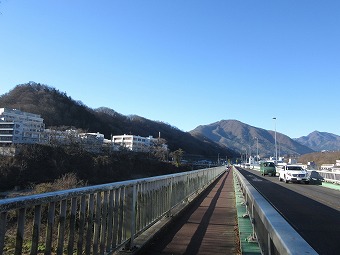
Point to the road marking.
(254, 178)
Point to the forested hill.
(55, 107)
(240, 136)
(59, 110)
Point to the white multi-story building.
(337, 163)
(17, 127)
(327, 166)
(133, 142)
(72, 136)
(20, 127)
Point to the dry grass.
(320, 157)
(67, 181)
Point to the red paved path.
(208, 227)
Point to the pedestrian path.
(209, 226)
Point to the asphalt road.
(312, 210)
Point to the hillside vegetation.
(320, 158)
(243, 137)
(320, 141)
(36, 164)
(60, 111)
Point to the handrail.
(272, 231)
(97, 219)
(329, 176)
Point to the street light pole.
(246, 158)
(257, 149)
(275, 141)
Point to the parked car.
(293, 173)
(268, 168)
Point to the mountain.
(319, 141)
(60, 111)
(244, 138)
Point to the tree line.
(60, 110)
(34, 164)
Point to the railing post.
(3, 216)
(61, 229)
(72, 226)
(103, 231)
(90, 222)
(133, 216)
(20, 231)
(170, 196)
(110, 222)
(269, 245)
(82, 215)
(49, 230)
(36, 229)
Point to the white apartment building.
(133, 142)
(92, 137)
(20, 127)
(327, 166)
(92, 142)
(72, 136)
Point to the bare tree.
(177, 156)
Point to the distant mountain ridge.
(59, 110)
(320, 141)
(248, 139)
(225, 137)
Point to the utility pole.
(275, 141)
(257, 149)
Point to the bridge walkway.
(208, 226)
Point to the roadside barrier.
(272, 232)
(97, 219)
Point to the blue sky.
(186, 63)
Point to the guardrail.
(94, 220)
(272, 232)
(328, 176)
(317, 175)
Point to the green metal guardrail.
(272, 232)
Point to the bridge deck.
(209, 226)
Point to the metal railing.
(94, 220)
(329, 176)
(272, 232)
